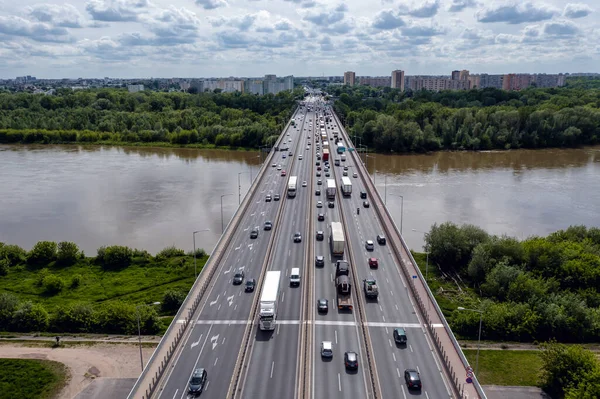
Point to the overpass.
(216, 328)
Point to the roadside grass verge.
(31, 378)
(504, 367)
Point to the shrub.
(15, 254)
(52, 284)
(4, 266)
(68, 253)
(115, 257)
(170, 252)
(172, 300)
(42, 253)
(43, 273)
(30, 317)
(8, 304)
(78, 318)
(200, 253)
(76, 281)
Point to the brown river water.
(151, 198)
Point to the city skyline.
(220, 38)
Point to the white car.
(278, 167)
(304, 184)
(354, 174)
(273, 165)
(319, 204)
(326, 349)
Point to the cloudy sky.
(204, 38)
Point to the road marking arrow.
(215, 301)
(213, 340)
(197, 342)
(230, 299)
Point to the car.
(345, 168)
(399, 336)
(250, 284)
(318, 163)
(318, 168)
(351, 360)
(268, 198)
(320, 235)
(238, 277)
(322, 305)
(321, 217)
(318, 174)
(355, 175)
(304, 183)
(363, 194)
(276, 197)
(366, 204)
(278, 167)
(317, 192)
(319, 182)
(268, 225)
(254, 232)
(319, 204)
(283, 156)
(345, 173)
(326, 349)
(297, 237)
(373, 263)
(290, 153)
(319, 260)
(197, 381)
(381, 239)
(300, 157)
(369, 245)
(413, 379)
(309, 143)
(306, 148)
(273, 165)
(283, 173)
(331, 204)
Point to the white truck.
(337, 239)
(346, 186)
(268, 301)
(292, 186)
(330, 191)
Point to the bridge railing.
(460, 387)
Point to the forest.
(538, 289)
(116, 116)
(386, 119)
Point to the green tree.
(9, 303)
(451, 246)
(52, 284)
(172, 300)
(30, 317)
(587, 388)
(77, 318)
(42, 253)
(68, 253)
(15, 254)
(115, 257)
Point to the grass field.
(137, 283)
(29, 378)
(504, 367)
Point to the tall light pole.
(374, 165)
(137, 310)
(240, 186)
(401, 209)
(222, 226)
(426, 251)
(479, 339)
(194, 239)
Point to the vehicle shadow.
(264, 335)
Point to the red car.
(283, 173)
(373, 263)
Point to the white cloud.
(425, 9)
(211, 4)
(459, 5)
(577, 10)
(37, 31)
(387, 19)
(116, 10)
(516, 13)
(561, 28)
(65, 15)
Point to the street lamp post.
(222, 226)
(426, 252)
(137, 310)
(479, 339)
(240, 185)
(401, 208)
(194, 239)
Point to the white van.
(295, 276)
(343, 157)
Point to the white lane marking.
(387, 331)
(398, 371)
(222, 343)
(335, 332)
(229, 271)
(403, 393)
(236, 248)
(390, 342)
(278, 327)
(394, 355)
(418, 371)
(197, 359)
(319, 322)
(411, 349)
(250, 247)
(215, 341)
(339, 383)
(426, 395)
(396, 307)
(392, 293)
(216, 361)
(197, 342)
(380, 308)
(230, 299)
(282, 296)
(219, 308)
(235, 307)
(177, 390)
(272, 366)
(383, 317)
(207, 384)
(215, 301)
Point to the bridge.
(216, 328)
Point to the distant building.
(254, 87)
(135, 88)
(398, 80)
(349, 78)
(455, 75)
(374, 81)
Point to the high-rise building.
(349, 78)
(455, 75)
(463, 75)
(374, 81)
(398, 80)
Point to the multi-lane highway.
(243, 361)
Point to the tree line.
(114, 115)
(538, 289)
(479, 119)
(111, 317)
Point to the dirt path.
(85, 362)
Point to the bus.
(292, 186)
(340, 147)
(293, 122)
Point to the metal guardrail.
(211, 264)
(458, 386)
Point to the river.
(151, 198)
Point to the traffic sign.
(350, 149)
(414, 276)
(469, 380)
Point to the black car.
(250, 284)
(321, 217)
(320, 235)
(254, 233)
(380, 239)
(366, 204)
(351, 360)
(331, 204)
(320, 260)
(198, 381)
(412, 378)
(276, 197)
(317, 192)
(268, 225)
(363, 194)
(319, 182)
(400, 336)
(268, 198)
(238, 277)
(318, 174)
(322, 305)
(297, 237)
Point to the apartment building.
(375, 81)
(398, 80)
(349, 78)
